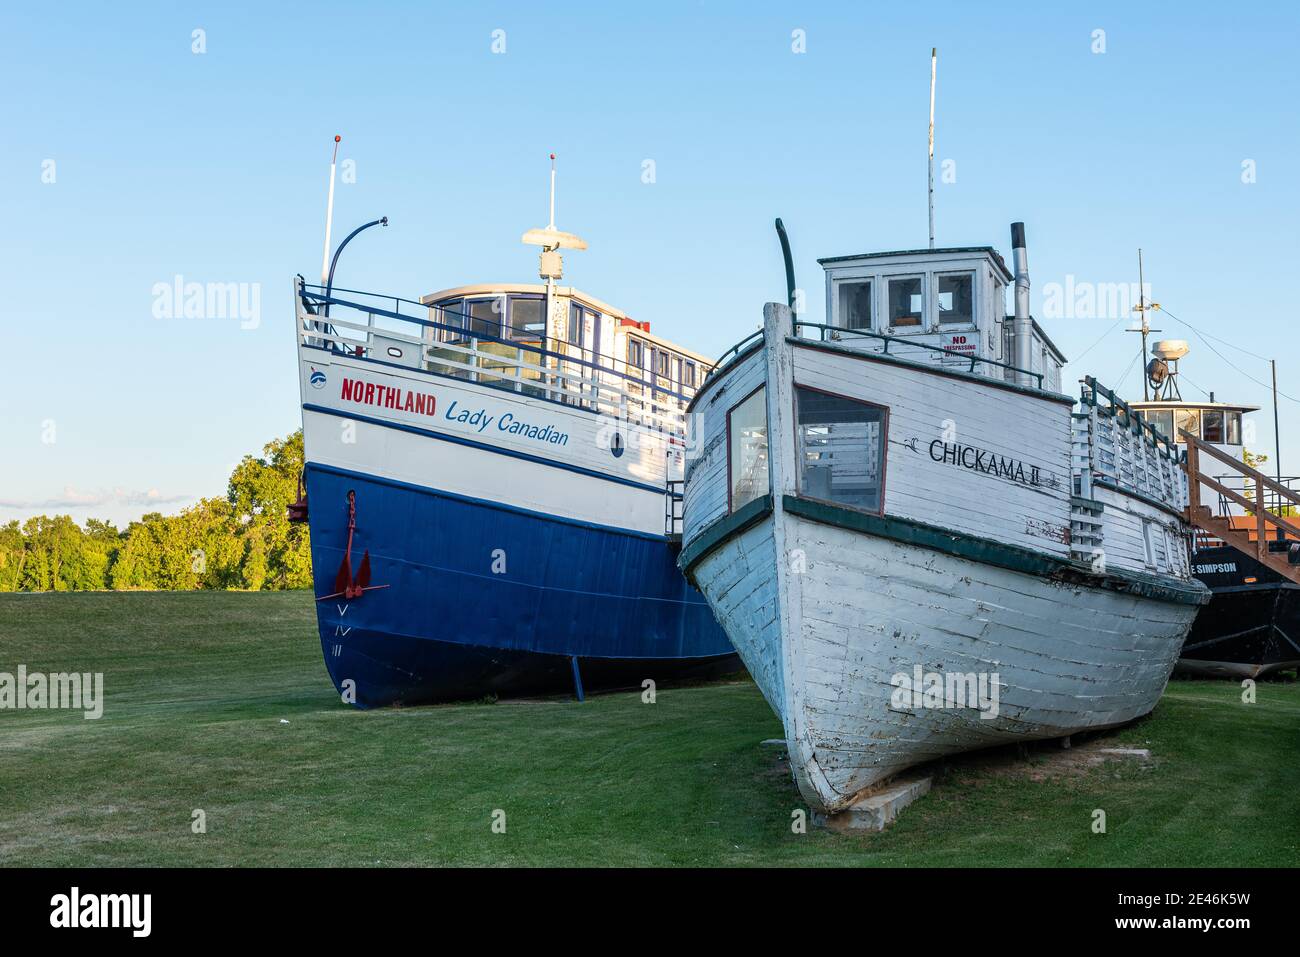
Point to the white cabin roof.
(924, 257)
(563, 292)
(1222, 406)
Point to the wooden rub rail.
(1222, 527)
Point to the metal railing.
(733, 353)
(522, 361)
(674, 494)
(901, 343)
(1248, 488)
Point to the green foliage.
(242, 541)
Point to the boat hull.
(1250, 628)
(469, 598)
(829, 647)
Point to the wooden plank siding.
(927, 408)
(964, 572)
(707, 490)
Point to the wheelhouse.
(939, 305)
(586, 338)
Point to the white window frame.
(841, 321)
(941, 326)
(1148, 544)
(888, 320)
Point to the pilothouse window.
(527, 317)
(841, 449)
(1187, 420)
(1212, 427)
(1162, 420)
(1234, 428)
(956, 298)
(855, 305)
(485, 315)
(905, 305)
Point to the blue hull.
(482, 598)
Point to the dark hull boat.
(1250, 628)
(492, 474)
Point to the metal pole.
(329, 215)
(789, 266)
(329, 278)
(1277, 443)
(934, 57)
(1142, 305)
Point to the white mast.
(934, 57)
(329, 216)
(551, 264)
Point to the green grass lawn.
(197, 684)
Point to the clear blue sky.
(214, 167)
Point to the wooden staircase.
(1256, 542)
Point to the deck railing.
(902, 344)
(358, 324)
(1114, 446)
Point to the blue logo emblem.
(317, 378)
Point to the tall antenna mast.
(551, 222)
(1143, 307)
(550, 263)
(934, 58)
(329, 216)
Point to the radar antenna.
(551, 263)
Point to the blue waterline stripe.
(459, 440)
(485, 503)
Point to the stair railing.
(1263, 517)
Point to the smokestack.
(1023, 328)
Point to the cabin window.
(452, 313)
(1148, 544)
(841, 449)
(662, 363)
(573, 334)
(855, 305)
(905, 302)
(688, 374)
(1162, 420)
(957, 298)
(483, 316)
(527, 317)
(1189, 420)
(1233, 420)
(635, 355)
(1212, 429)
(747, 449)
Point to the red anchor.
(346, 586)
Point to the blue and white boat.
(493, 478)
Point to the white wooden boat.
(915, 542)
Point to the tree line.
(241, 541)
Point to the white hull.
(983, 589)
(1067, 657)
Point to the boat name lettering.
(1217, 568)
(538, 433)
(982, 460)
(388, 397)
(480, 419)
